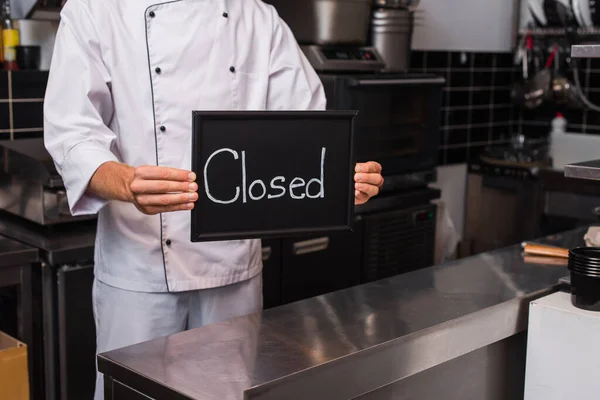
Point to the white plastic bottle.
(557, 140)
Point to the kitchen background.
(440, 201)
(475, 56)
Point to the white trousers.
(124, 318)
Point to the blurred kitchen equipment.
(537, 88)
(585, 13)
(391, 35)
(39, 33)
(325, 22)
(30, 186)
(410, 5)
(563, 91)
(559, 13)
(28, 57)
(544, 250)
(584, 264)
(10, 37)
(552, 11)
(595, 12)
(517, 92)
(503, 192)
(532, 92)
(37, 9)
(536, 8)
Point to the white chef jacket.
(125, 78)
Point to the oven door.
(398, 123)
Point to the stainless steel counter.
(345, 344)
(57, 245)
(585, 170)
(13, 253)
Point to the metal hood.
(36, 9)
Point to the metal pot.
(391, 34)
(407, 4)
(326, 21)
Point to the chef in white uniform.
(125, 76)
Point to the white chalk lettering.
(294, 185)
(264, 190)
(278, 187)
(297, 189)
(321, 193)
(206, 189)
(243, 176)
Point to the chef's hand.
(156, 190)
(367, 181)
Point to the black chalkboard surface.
(272, 173)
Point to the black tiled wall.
(476, 109)
(21, 104)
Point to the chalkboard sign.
(272, 173)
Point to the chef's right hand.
(156, 190)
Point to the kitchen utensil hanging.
(536, 8)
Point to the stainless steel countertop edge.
(451, 334)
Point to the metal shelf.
(585, 51)
(557, 32)
(589, 170)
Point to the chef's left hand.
(367, 181)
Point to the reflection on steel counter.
(360, 340)
(30, 186)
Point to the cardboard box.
(14, 376)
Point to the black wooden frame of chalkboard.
(198, 119)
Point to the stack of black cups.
(584, 264)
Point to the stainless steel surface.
(326, 21)
(495, 372)
(266, 253)
(310, 246)
(13, 253)
(30, 186)
(320, 63)
(391, 35)
(348, 343)
(586, 170)
(58, 244)
(585, 51)
(398, 82)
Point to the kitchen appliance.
(398, 119)
(391, 34)
(398, 241)
(504, 197)
(326, 22)
(406, 4)
(30, 186)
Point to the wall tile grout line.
(491, 115)
(11, 121)
(21, 100)
(475, 107)
(20, 130)
(470, 112)
(447, 114)
(471, 88)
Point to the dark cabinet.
(315, 265)
(271, 255)
(69, 332)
